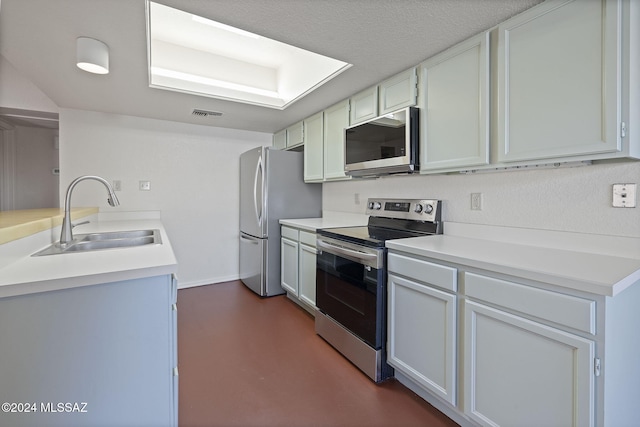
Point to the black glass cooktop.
(380, 230)
(367, 235)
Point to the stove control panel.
(412, 209)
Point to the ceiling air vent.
(205, 113)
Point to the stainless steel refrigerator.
(271, 188)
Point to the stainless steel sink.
(117, 235)
(107, 240)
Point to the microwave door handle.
(357, 255)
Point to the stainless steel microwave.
(384, 145)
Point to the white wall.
(194, 183)
(35, 184)
(16, 91)
(568, 199)
(194, 174)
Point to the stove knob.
(377, 205)
(428, 208)
(370, 205)
(418, 208)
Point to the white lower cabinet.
(522, 373)
(307, 271)
(289, 263)
(422, 319)
(493, 352)
(298, 265)
(109, 350)
(422, 337)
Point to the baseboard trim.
(212, 281)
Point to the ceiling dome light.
(92, 55)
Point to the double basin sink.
(106, 240)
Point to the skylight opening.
(193, 54)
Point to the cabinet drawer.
(289, 233)
(308, 238)
(567, 310)
(424, 271)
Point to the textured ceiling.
(379, 37)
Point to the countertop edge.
(30, 275)
(568, 280)
(29, 225)
(331, 220)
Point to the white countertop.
(47, 273)
(597, 273)
(329, 219)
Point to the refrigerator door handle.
(250, 239)
(255, 191)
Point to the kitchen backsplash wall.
(194, 176)
(574, 199)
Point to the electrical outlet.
(117, 185)
(356, 198)
(144, 185)
(624, 195)
(476, 201)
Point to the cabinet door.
(280, 140)
(559, 74)
(295, 135)
(364, 106)
(307, 260)
(174, 345)
(111, 345)
(314, 148)
(399, 91)
(518, 372)
(336, 119)
(454, 99)
(422, 335)
(289, 265)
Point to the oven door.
(350, 288)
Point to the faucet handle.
(79, 223)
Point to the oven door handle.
(358, 256)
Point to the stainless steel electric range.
(351, 277)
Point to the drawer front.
(289, 233)
(308, 238)
(424, 271)
(567, 310)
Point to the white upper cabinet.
(559, 75)
(454, 106)
(314, 148)
(399, 91)
(291, 137)
(364, 106)
(295, 135)
(280, 140)
(336, 119)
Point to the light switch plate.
(624, 195)
(476, 201)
